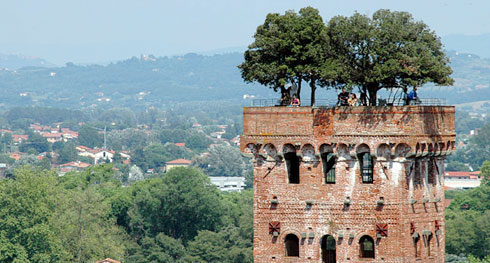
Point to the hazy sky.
(103, 30)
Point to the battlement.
(433, 120)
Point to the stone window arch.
(328, 162)
(401, 150)
(442, 147)
(291, 245)
(251, 149)
(328, 247)
(365, 163)
(343, 151)
(427, 241)
(416, 245)
(308, 152)
(270, 150)
(432, 148)
(383, 152)
(366, 247)
(292, 163)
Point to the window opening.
(416, 246)
(432, 171)
(417, 180)
(366, 245)
(328, 249)
(328, 161)
(291, 243)
(292, 163)
(428, 239)
(366, 165)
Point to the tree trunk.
(372, 95)
(313, 89)
(299, 88)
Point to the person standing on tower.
(343, 98)
(413, 98)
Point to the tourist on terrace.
(413, 98)
(343, 98)
(285, 99)
(295, 101)
(352, 100)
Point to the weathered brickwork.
(402, 209)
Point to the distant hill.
(137, 83)
(472, 80)
(146, 81)
(17, 61)
(478, 44)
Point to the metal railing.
(277, 102)
(333, 103)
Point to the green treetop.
(289, 48)
(387, 50)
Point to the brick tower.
(348, 184)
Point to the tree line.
(88, 216)
(387, 50)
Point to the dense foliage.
(87, 216)
(389, 50)
(290, 48)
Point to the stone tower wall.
(408, 145)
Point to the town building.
(349, 184)
(228, 183)
(177, 163)
(99, 155)
(19, 138)
(73, 166)
(462, 180)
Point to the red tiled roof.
(470, 175)
(51, 134)
(456, 174)
(17, 136)
(179, 161)
(107, 260)
(84, 147)
(15, 156)
(76, 164)
(180, 144)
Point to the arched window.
(328, 161)
(432, 171)
(291, 243)
(328, 249)
(416, 247)
(366, 247)
(427, 239)
(365, 163)
(292, 163)
(366, 166)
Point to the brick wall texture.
(402, 211)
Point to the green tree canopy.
(27, 229)
(389, 50)
(223, 160)
(178, 205)
(90, 137)
(289, 48)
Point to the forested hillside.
(136, 82)
(150, 81)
